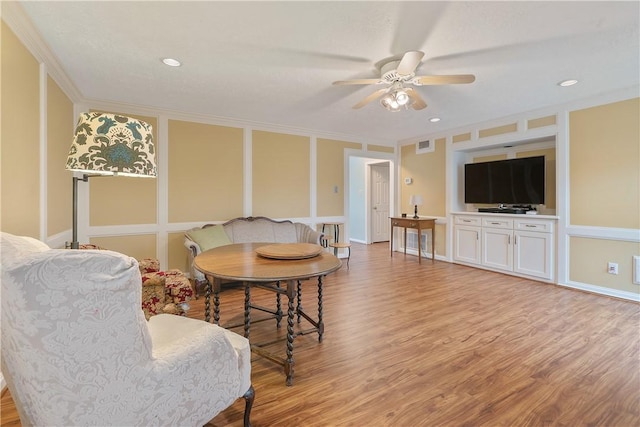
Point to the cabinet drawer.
(497, 223)
(529, 225)
(469, 220)
(404, 222)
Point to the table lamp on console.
(109, 144)
(415, 201)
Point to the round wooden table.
(240, 262)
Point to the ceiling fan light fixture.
(401, 97)
(389, 102)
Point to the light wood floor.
(439, 344)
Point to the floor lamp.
(109, 144)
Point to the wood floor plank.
(438, 344)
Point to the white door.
(380, 203)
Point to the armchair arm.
(176, 340)
(194, 250)
(192, 359)
(308, 235)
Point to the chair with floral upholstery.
(77, 350)
(163, 291)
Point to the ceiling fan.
(397, 74)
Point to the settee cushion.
(209, 237)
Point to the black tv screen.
(509, 182)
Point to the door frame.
(369, 157)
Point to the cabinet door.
(467, 244)
(533, 254)
(497, 248)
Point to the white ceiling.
(274, 62)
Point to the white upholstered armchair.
(77, 350)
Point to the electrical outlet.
(636, 269)
(612, 268)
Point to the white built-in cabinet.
(515, 244)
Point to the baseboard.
(631, 296)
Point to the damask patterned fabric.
(77, 350)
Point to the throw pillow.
(209, 237)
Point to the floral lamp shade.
(110, 144)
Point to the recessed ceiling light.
(171, 62)
(434, 119)
(566, 83)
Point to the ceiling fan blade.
(375, 95)
(358, 82)
(418, 103)
(409, 62)
(443, 80)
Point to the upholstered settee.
(77, 350)
(245, 230)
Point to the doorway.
(370, 183)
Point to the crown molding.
(16, 18)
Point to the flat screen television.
(510, 182)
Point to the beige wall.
(20, 147)
(589, 258)
(138, 246)
(178, 254)
(281, 175)
(604, 165)
(60, 122)
(378, 148)
(205, 172)
(330, 174)
(604, 182)
(429, 178)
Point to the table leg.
(325, 242)
(433, 243)
(419, 244)
(299, 306)
(207, 301)
(247, 309)
(216, 300)
(289, 362)
(278, 307)
(405, 241)
(391, 241)
(320, 323)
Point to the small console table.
(418, 224)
